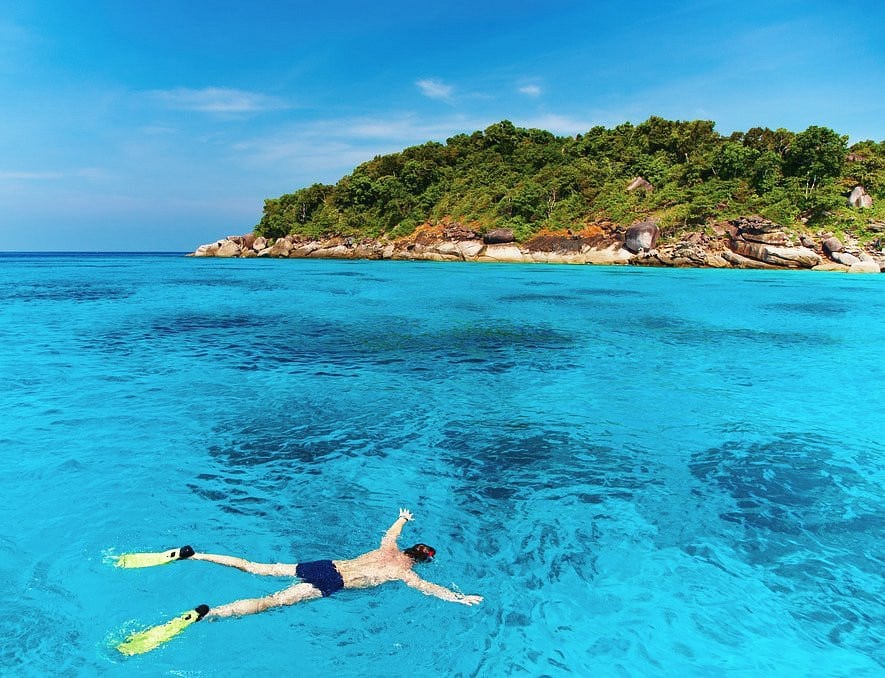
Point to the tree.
(815, 155)
(734, 160)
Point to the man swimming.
(324, 577)
(319, 579)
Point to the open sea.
(644, 472)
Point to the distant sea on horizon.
(643, 471)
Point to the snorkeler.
(318, 579)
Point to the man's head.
(420, 553)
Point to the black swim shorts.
(320, 573)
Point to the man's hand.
(469, 600)
(405, 514)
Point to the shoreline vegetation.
(661, 193)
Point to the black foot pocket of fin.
(202, 611)
(185, 552)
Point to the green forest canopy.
(530, 180)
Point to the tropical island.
(660, 193)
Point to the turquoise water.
(645, 472)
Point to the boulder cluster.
(747, 242)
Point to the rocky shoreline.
(748, 242)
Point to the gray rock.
(228, 249)
(642, 236)
(740, 261)
(860, 198)
(502, 252)
(281, 248)
(613, 254)
(864, 267)
(205, 251)
(499, 236)
(805, 241)
(469, 249)
(831, 245)
(844, 258)
(830, 266)
(788, 257)
(793, 257)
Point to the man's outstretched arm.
(431, 589)
(393, 532)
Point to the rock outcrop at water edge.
(747, 242)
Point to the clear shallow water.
(645, 472)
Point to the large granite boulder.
(259, 244)
(789, 257)
(470, 249)
(642, 236)
(760, 239)
(740, 261)
(502, 252)
(832, 245)
(447, 248)
(281, 248)
(228, 248)
(865, 267)
(611, 254)
(499, 236)
(207, 250)
(830, 266)
(844, 258)
(860, 198)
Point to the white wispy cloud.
(530, 90)
(221, 100)
(324, 150)
(435, 89)
(327, 149)
(15, 175)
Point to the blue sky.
(161, 125)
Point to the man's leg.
(268, 569)
(294, 594)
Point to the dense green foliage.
(529, 180)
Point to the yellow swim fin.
(129, 560)
(149, 639)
